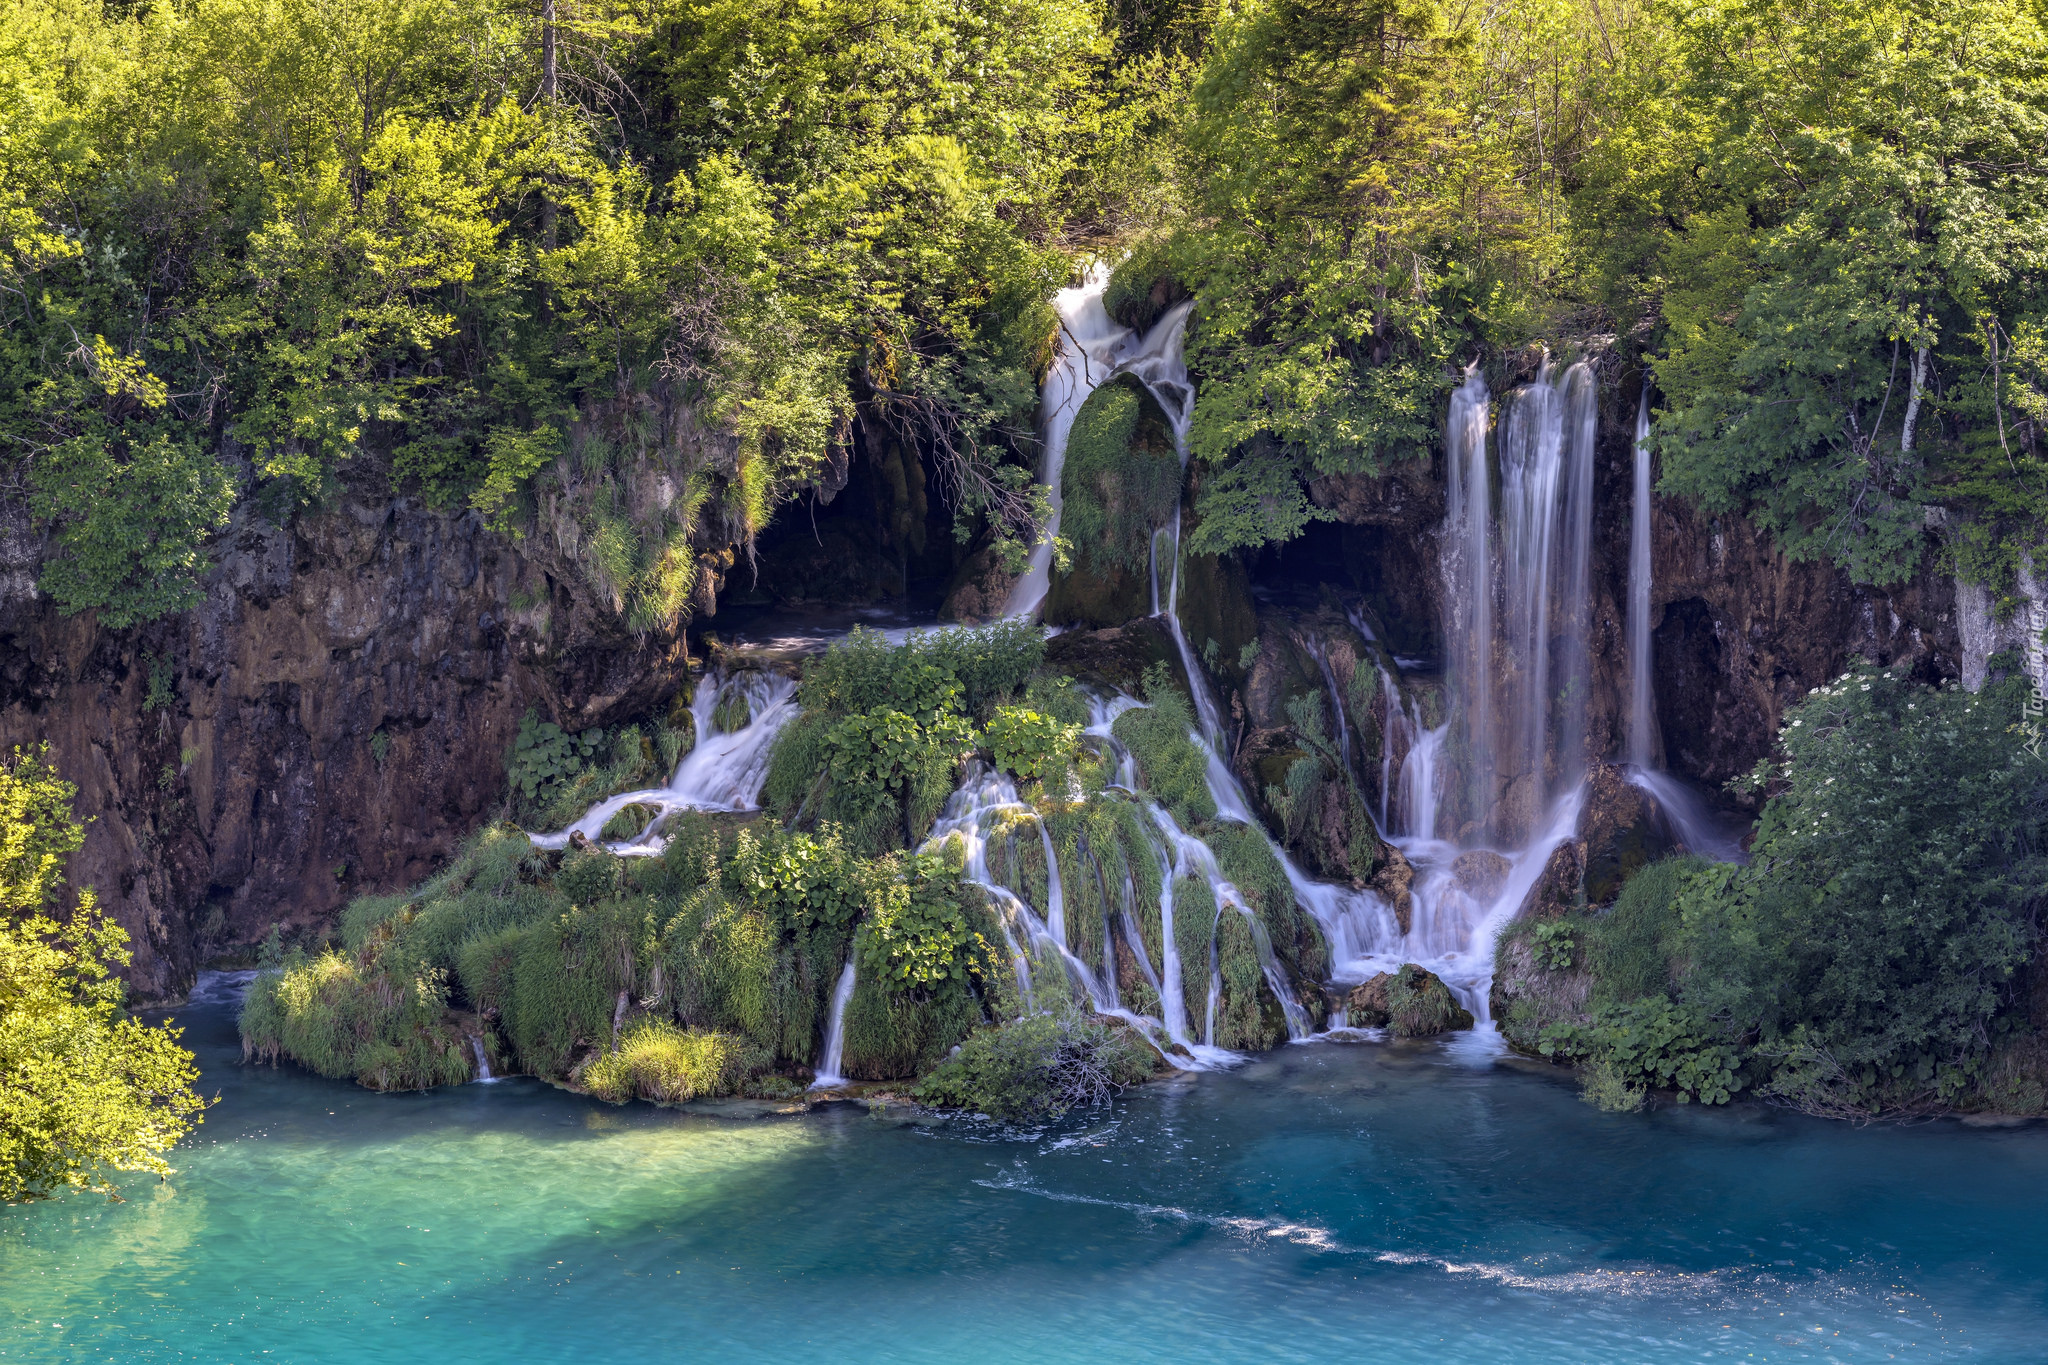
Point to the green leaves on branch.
(85, 1088)
(1651, 1043)
(1846, 205)
(1028, 744)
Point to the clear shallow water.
(1379, 1203)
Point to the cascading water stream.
(1092, 350)
(1641, 748)
(724, 772)
(1690, 821)
(986, 794)
(1481, 800)
(835, 1030)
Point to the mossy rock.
(1093, 597)
(1413, 1002)
(1116, 657)
(628, 823)
(1120, 483)
(1143, 287)
(1216, 604)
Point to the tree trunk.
(1916, 384)
(548, 85)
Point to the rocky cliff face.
(333, 718)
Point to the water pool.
(1369, 1202)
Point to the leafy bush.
(84, 1086)
(963, 669)
(544, 754)
(885, 726)
(1649, 1043)
(1039, 1067)
(918, 935)
(1555, 943)
(1866, 961)
(1029, 743)
(886, 763)
(1899, 874)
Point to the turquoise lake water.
(1330, 1202)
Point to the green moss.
(1247, 861)
(1247, 1017)
(1194, 929)
(1172, 768)
(1121, 478)
(1421, 1006)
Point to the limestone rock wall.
(333, 718)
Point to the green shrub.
(1057, 696)
(545, 757)
(1899, 872)
(1039, 1067)
(1028, 743)
(971, 669)
(655, 1060)
(1649, 1042)
(1554, 942)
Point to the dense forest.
(500, 260)
(254, 249)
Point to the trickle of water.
(483, 1063)
(723, 772)
(1641, 744)
(835, 1031)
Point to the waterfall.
(1481, 801)
(1546, 461)
(1687, 815)
(1641, 744)
(1089, 346)
(1034, 943)
(724, 772)
(1466, 563)
(835, 1030)
(1093, 350)
(483, 1062)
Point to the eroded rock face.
(332, 719)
